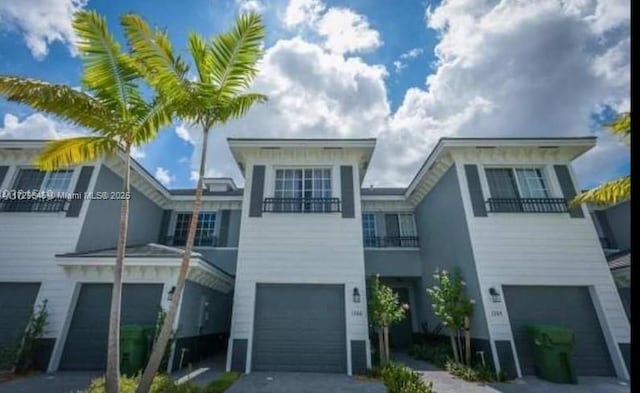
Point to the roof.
(149, 250)
(205, 192)
(383, 191)
(619, 260)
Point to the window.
(36, 180)
(204, 229)
(299, 190)
(517, 183)
(369, 229)
(521, 190)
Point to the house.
(278, 276)
(613, 224)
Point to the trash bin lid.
(552, 333)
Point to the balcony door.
(392, 229)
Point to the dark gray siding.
(392, 263)
(234, 228)
(568, 189)
(505, 357)
(81, 187)
(257, 191)
(216, 313)
(346, 187)
(615, 222)
(86, 344)
(101, 225)
(225, 259)
(445, 244)
(569, 307)
(3, 172)
(358, 356)
(475, 191)
(16, 303)
(299, 327)
(239, 354)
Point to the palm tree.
(224, 69)
(113, 109)
(616, 190)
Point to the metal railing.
(391, 241)
(527, 205)
(41, 205)
(301, 205)
(205, 240)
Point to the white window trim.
(72, 181)
(274, 169)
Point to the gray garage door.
(570, 307)
(299, 328)
(16, 305)
(86, 345)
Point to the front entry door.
(400, 334)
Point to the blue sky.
(406, 72)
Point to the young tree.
(451, 305)
(112, 108)
(225, 67)
(384, 310)
(617, 190)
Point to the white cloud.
(35, 126)
(138, 152)
(302, 12)
(185, 133)
(42, 22)
(347, 32)
(401, 63)
(164, 176)
(250, 5)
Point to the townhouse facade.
(278, 276)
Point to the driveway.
(59, 382)
(443, 382)
(276, 382)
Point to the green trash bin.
(133, 348)
(552, 352)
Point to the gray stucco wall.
(619, 220)
(225, 259)
(216, 317)
(392, 263)
(101, 225)
(445, 244)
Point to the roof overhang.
(242, 148)
(440, 158)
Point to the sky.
(405, 72)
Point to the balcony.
(204, 240)
(527, 205)
(301, 205)
(41, 205)
(391, 241)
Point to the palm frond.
(72, 151)
(236, 53)
(150, 119)
(201, 59)
(74, 106)
(621, 127)
(238, 106)
(107, 70)
(152, 49)
(610, 192)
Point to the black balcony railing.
(42, 205)
(391, 241)
(527, 205)
(199, 241)
(301, 205)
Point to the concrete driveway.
(59, 382)
(274, 382)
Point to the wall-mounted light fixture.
(495, 296)
(356, 295)
(170, 293)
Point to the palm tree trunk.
(112, 378)
(165, 333)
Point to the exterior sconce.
(356, 295)
(495, 296)
(170, 293)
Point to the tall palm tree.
(113, 109)
(615, 190)
(225, 67)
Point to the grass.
(223, 383)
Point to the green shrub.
(401, 379)
(474, 373)
(437, 353)
(221, 384)
(161, 384)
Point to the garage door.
(299, 328)
(570, 307)
(86, 345)
(16, 305)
